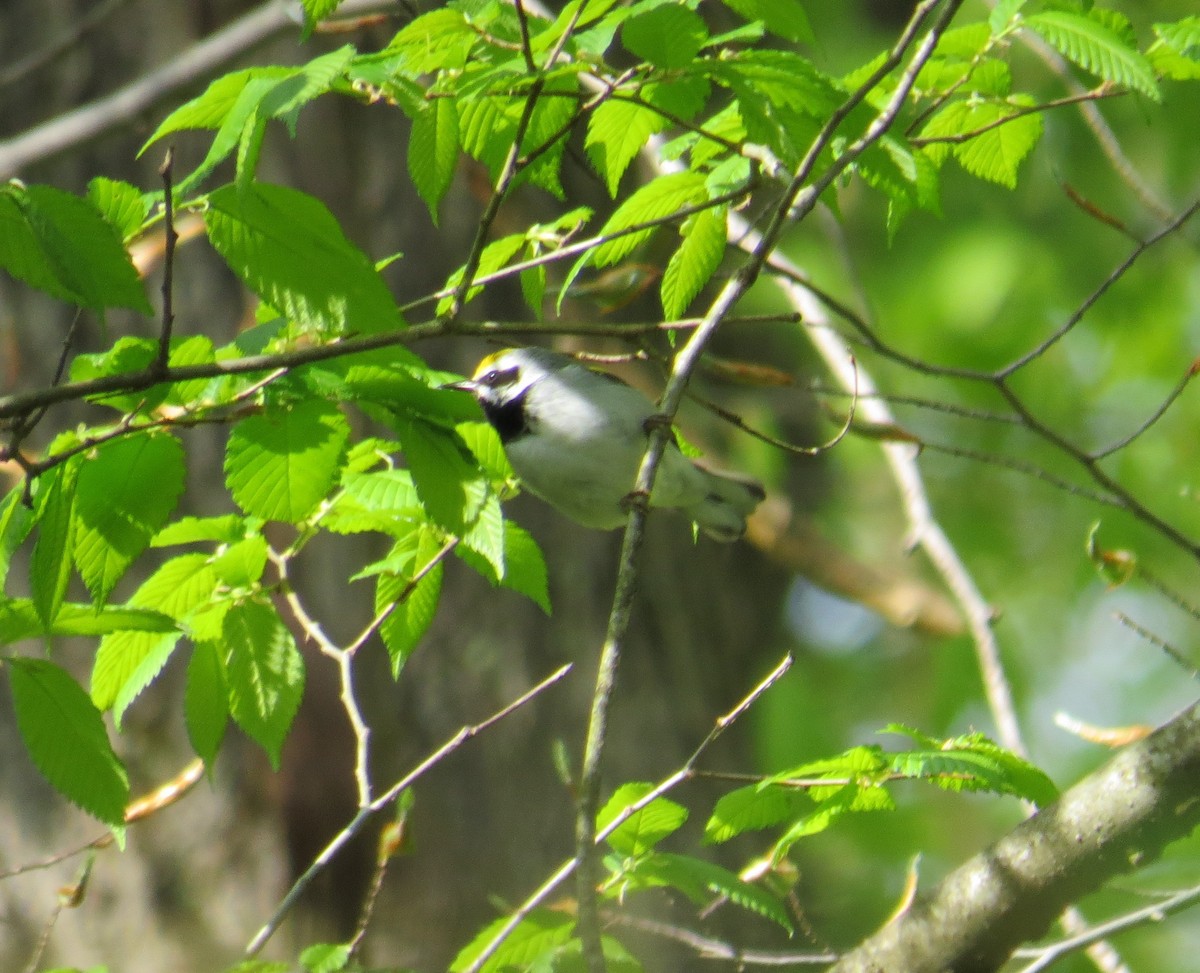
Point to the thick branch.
(1113, 821)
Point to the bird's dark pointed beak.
(466, 385)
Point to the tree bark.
(1113, 821)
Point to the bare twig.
(169, 240)
(380, 803)
(798, 200)
(686, 772)
(1154, 913)
(185, 68)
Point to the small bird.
(576, 438)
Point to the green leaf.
(265, 673)
(60, 243)
(1176, 52)
(326, 957)
(242, 564)
(19, 620)
(128, 661)
(65, 736)
(525, 567)
(617, 132)
(127, 490)
(646, 827)
(1095, 47)
(752, 809)
(694, 263)
(206, 701)
(212, 108)
(451, 487)
(534, 936)
(484, 443)
(127, 356)
(408, 622)
(120, 204)
(193, 350)
(655, 201)
(832, 805)
(280, 465)
(50, 564)
(288, 248)
(191, 530)
(494, 257)
(668, 36)
(783, 18)
(433, 151)
(16, 521)
(994, 154)
(701, 881)
(975, 763)
(439, 40)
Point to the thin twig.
(170, 238)
(798, 200)
(1049, 954)
(686, 772)
(186, 67)
(364, 814)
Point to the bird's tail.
(729, 500)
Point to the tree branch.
(1113, 821)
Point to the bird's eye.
(498, 377)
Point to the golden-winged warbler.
(576, 438)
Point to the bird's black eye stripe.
(497, 377)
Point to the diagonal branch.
(1115, 820)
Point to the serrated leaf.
(536, 934)
(452, 489)
(206, 701)
(191, 530)
(668, 36)
(783, 18)
(1095, 47)
(65, 736)
(193, 350)
(53, 551)
(19, 620)
(996, 154)
(646, 827)
(655, 201)
(495, 256)
(290, 250)
(439, 40)
(617, 132)
(693, 264)
(126, 492)
(525, 567)
(408, 622)
(210, 109)
(120, 204)
(973, 762)
(433, 152)
(16, 521)
(832, 805)
(280, 465)
(702, 881)
(753, 808)
(265, 673)
(61, 244)
(128, 661)
(242, 564)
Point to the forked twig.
(380, 803)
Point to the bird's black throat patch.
(508, 418)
